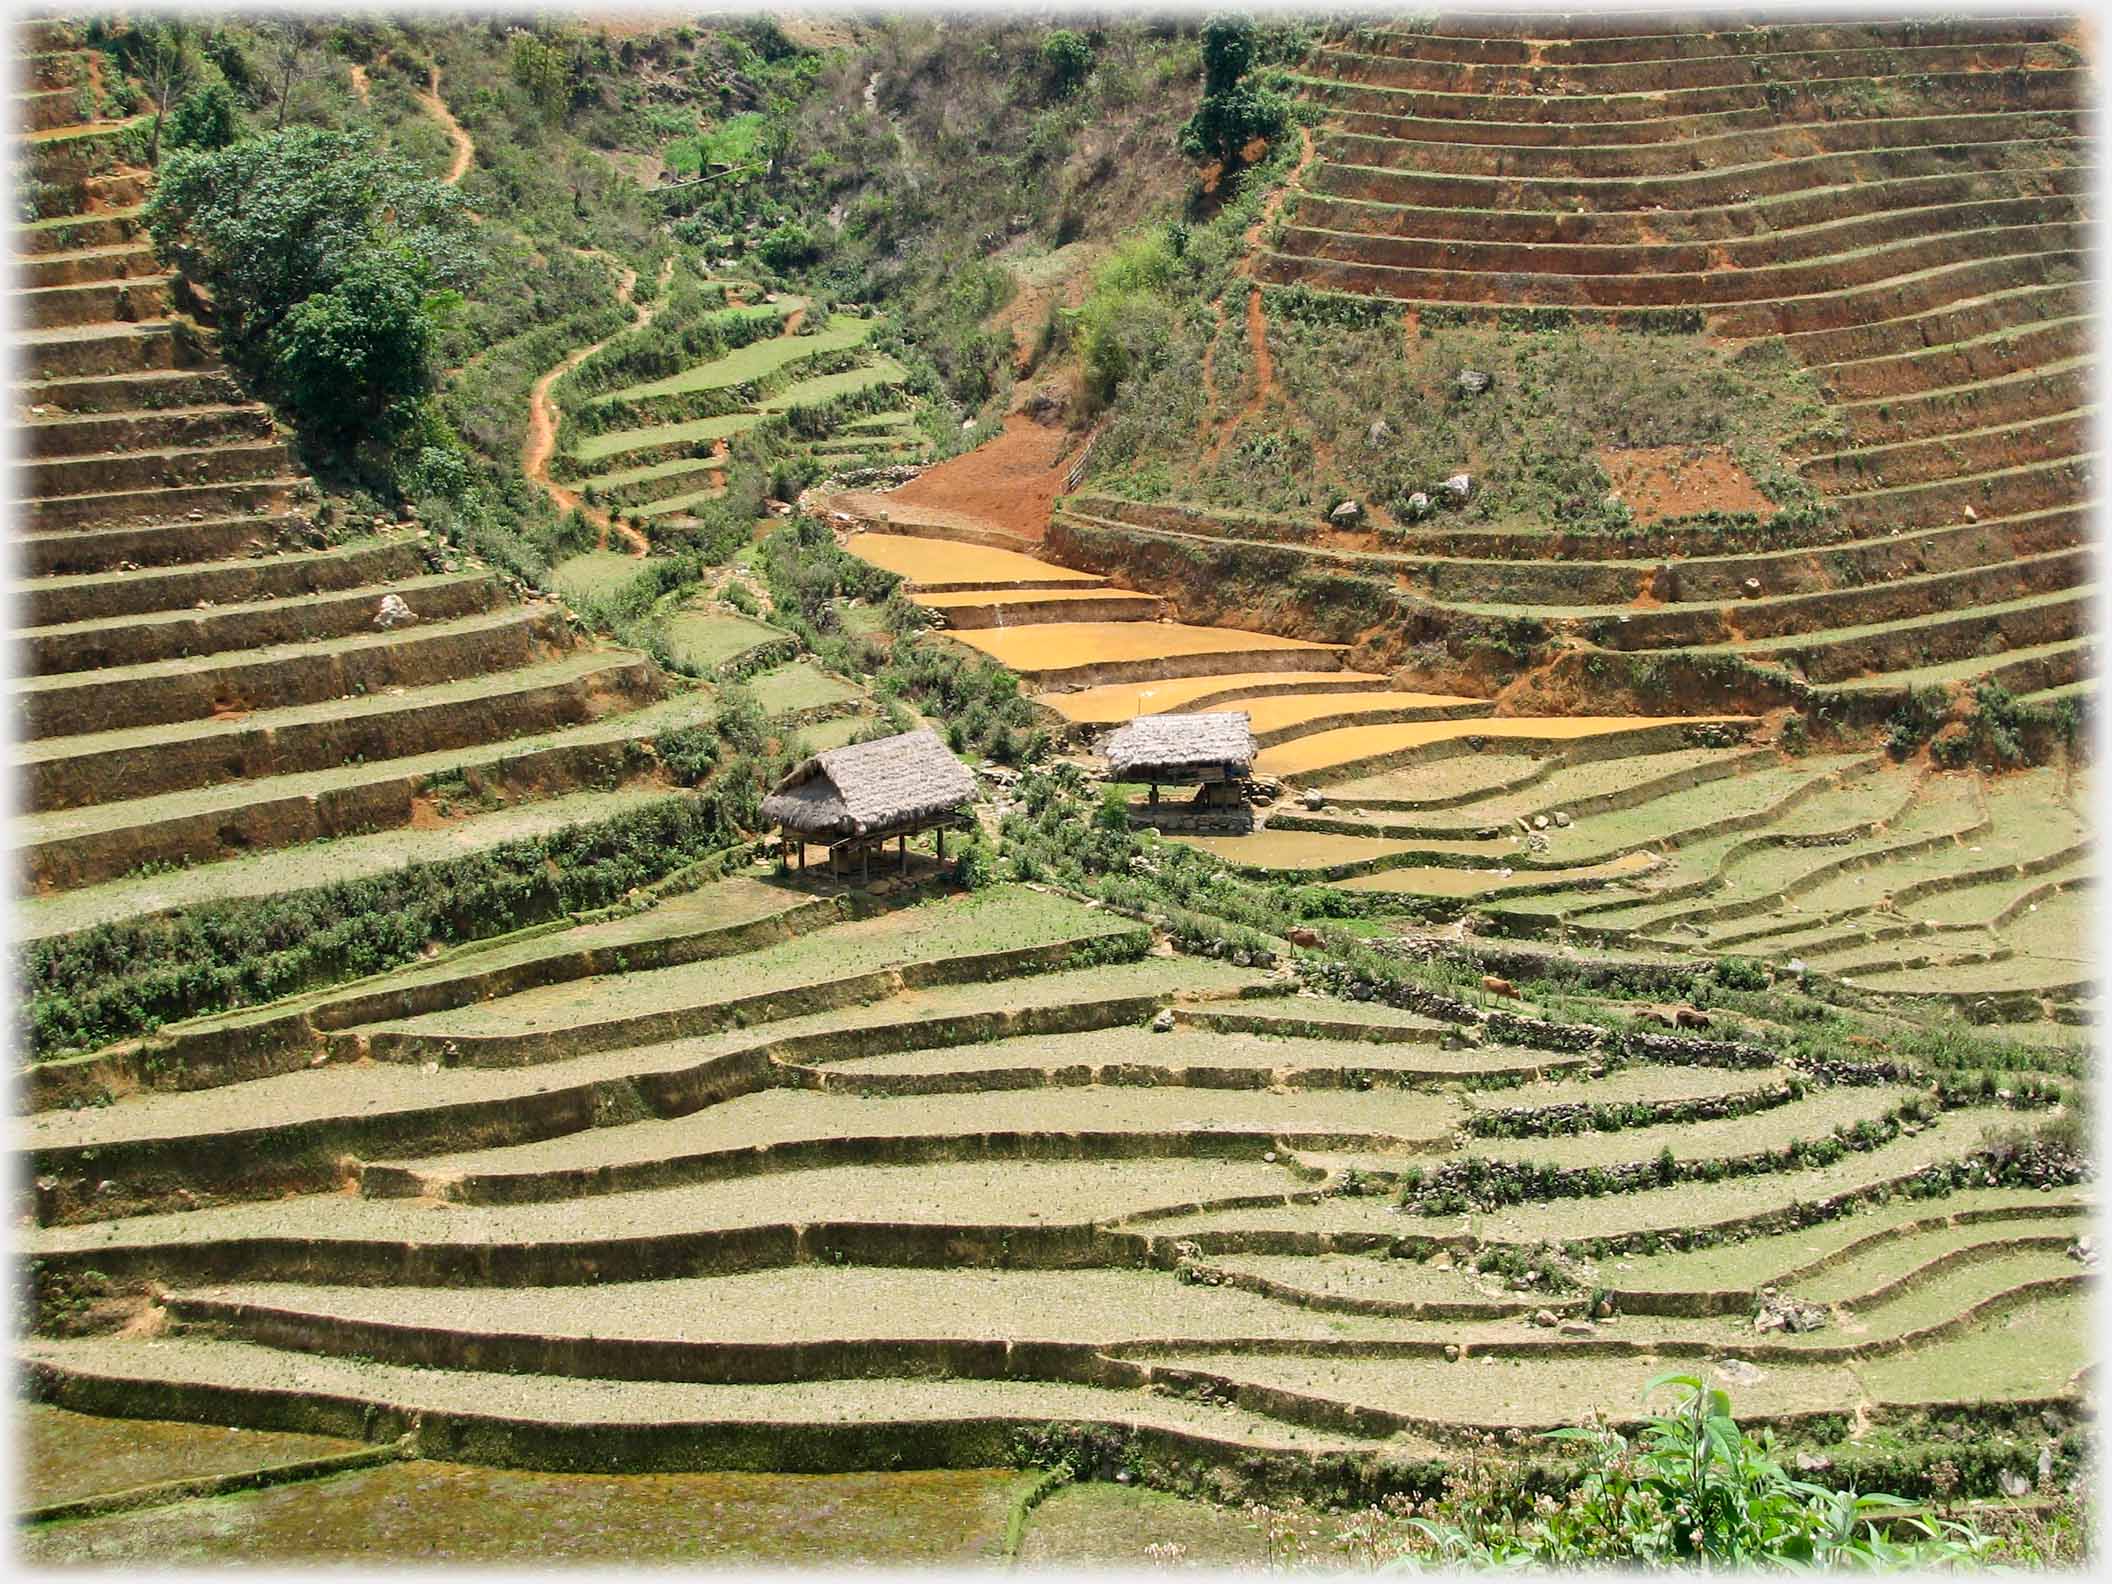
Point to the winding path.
(541, 440)
(1257, 320)
(436, 107)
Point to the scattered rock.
(1348, 512)
(2084, 1251)
(1451, 1352)
(2013, 1484)
(1578, 1328)
(1472, 381)
(1751, 586)
(1539, 822)
(1739, 1373)
(1780, 1312)
(1460, 486)
(1418, 505)
(1544, 1318)
(1379, 433)
(1813, 1463)
(1562, 819)
(393, 613)
(1314, 799)
(1163, 1022)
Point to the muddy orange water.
(1302, 849)
(946, 561)
(1121, 701)
(1273, 714)
(1351, 744)
(1051, 646)
(1480, 882)
(1027, 599)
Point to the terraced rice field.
(645, 449)
(1898, 206)
(781, 1176)
(208, 679)
(757, 1189)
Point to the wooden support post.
(942, 844)
(1154, 794)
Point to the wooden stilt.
(941, 834)
(902, 852)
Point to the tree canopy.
(327, 260)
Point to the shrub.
(205, 118)
(1694, 1488)
(1067, 55)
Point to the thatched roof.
(871, 788)
(1171, 747)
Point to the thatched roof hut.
(1206, 747)
(875, 789)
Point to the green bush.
(1692, 1489)
(1233, 111)
(205, 118)
(354, 359)
(327, 261)
(1067, 55)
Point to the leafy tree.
(1229, 42)
(328, 261)
(788, 247)
(205, 118)
(352, 357)
(1068, 56)
(543, 71)
(1233, 111)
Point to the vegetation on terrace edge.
(877, 162)
(1685, 1488)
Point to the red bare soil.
(1010, 482)
(1676, 481)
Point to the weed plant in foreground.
(1689, 1488)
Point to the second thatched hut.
(1213, 752)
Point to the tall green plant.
(1693, 1489)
